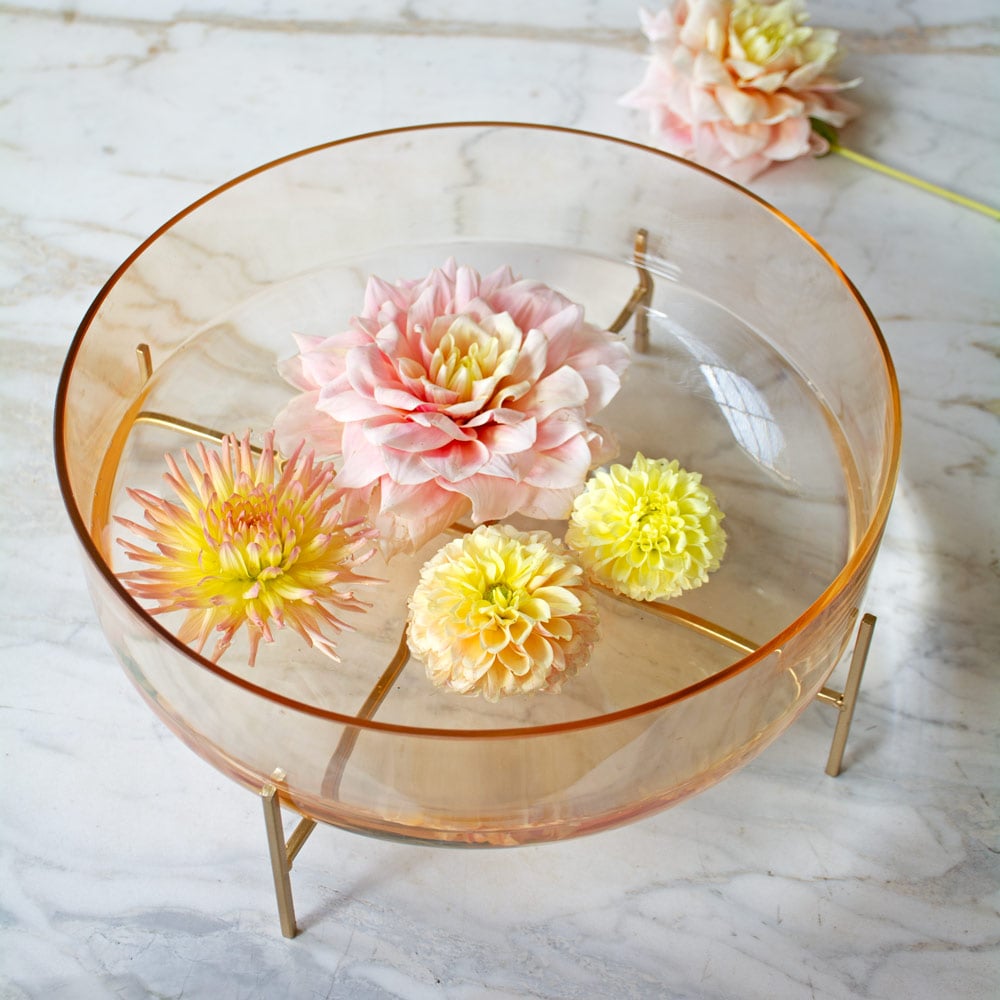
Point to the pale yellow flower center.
(471, 355)
(456, 370)
(501, 595)
(655, 521)
(765, 31)
(466, 354)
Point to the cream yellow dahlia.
(500, 612)
(648, 531)
(737, 84)
(249, 544)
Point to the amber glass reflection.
(764, 371)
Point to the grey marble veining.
(129, 868)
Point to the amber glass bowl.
(755, 362)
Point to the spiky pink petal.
(249, 545)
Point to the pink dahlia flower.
(732, 84)
(455, 396)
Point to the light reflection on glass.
(748, 415)
(741, 403)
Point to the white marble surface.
(129, 868)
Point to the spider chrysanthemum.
(250, 543)
(500, 612)
(649, 531)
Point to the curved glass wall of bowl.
(763, 371)
(743, 408)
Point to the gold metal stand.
(642, 295)
(282, 854)
(845, 700)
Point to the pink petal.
(462, 411)
(694, 31)
(547, 504)
(802, 77)
(602, 443)
(467, 283)
(559, 428)
(600, 360)
(657, 25)
(769, 83)
(327, 360)
(532, 357)
(404, 435)
(506, 439)
(433, 301)
(502, 415)
(457, 460)
(362, 463)
(378, 292)
(512, 466)
(789, 140)
(396, 398)
(492, 498)
(502, 277)
(300, 420)
(407, 468)
(564, 388)
(339, 401)
(291, 370)
(709, 71)
(562, 467)
(358, 502)
(740, 106)
(529, 303)
(413, 377)
(560, 329)
(444, 423)
(409, 516)
(833, 109)
(782, 106)
(368, 369)
(741, 142)
(704, 107)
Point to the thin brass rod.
(642, 295)
(177, 424)
(195, 430)
(345, 747)
(688, 620)
(299, 836)
(279, 860)
(144, 358)
(845, 702)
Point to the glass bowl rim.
(864, 548)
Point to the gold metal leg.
(282, 855)
(845, 700)
(642, 295)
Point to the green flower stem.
(899, 175)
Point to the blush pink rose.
(456, 396)
(732, 84)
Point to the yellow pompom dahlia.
(500, 611)
(249, 544)
(648, 531)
